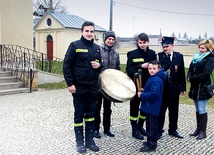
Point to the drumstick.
(140, 76)
(136, 76)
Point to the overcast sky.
(150, 16)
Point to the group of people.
(163, 80)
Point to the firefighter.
(81, 68)
(138, 59)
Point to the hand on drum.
(95, 64)
(72, 89)
(145, 65)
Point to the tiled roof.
(71, 21)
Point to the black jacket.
(77, 68)
(135, 59)
(199, 77)
(176, 80)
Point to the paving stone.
(41, 123)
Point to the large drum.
(116, 86)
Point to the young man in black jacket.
(138, 59)
(81, 68)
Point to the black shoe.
(147, 148)
(136, 134)
(109, 133)
(81, 148)
(96, 134)
(195, 133)
(92, 146)
(142, 131)
(175, 134)
(145, 143)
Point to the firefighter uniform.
(79, 72)
(135, 59)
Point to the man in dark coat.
(173, 64)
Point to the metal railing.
(21, 61)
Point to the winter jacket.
(199, 77)
(110, 58)
(77, 68)
(135, 59)
(151, 96)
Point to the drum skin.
(116, 86)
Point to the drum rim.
(114, 97)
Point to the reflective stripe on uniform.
(78, 124)
(142, 117)
(81, 50)
(138, 60)
(133, 118)
(89, 119)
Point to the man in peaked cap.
(173, 64)
(166, 41)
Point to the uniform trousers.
(106, 113)
(151, 129)
(172, 104)
(84, 106)
(134, 108)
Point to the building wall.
(62, 37)
(16, 22)
(0, 20)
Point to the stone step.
(8, 79)
(5, 73)
(11, 85)
(14, 91)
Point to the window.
(49, 22)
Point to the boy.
(151, 97)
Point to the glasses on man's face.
(89, 31)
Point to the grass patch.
(183, 99)
(52, 86)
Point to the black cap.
(167, 40)
(108, 34)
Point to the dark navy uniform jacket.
(135, 59)
(77, 69)
(176, 81)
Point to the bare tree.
(205, 35)
(185, 35)
(56, 5)
(40, 7)
(173, 34)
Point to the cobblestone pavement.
(41, 123)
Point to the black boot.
(135, 133)
(140, 127)
(197, 131)
(79, 139)
(96, 134)
(108, 133)
(202, 134)
(148, 148)
(89, 142)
